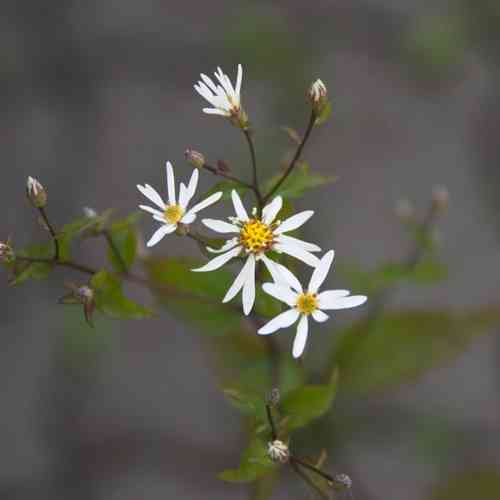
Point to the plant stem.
(52, 232)
(255, 181)
(308, 480)
(312, 468)
(229, 177)
(295, 159)
(274, 434)
(63, 263)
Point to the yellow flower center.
(173, 214)
(255, 236)
(307, 303)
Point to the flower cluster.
(258, 237)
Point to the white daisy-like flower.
(224, 98)
(176, 210)
(255, 236)
(305, 303)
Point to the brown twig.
(52, 232)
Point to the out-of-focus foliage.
(478, 483)
(400, 346)
(124, 238)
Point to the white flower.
(307, 303)
(317, 91)
(175, 211)
(255, 237)
(278, 451)
(224, 98)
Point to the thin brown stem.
(62, 263)
(312, 468)
(308, 480)
(295, 159)
(52, 232)
(255, 180)
(274, 434)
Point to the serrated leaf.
(254, 464)
(124, 238)
(110, 300)
(309, 402)
(400, 346)
(298, 182)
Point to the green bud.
(36, 193)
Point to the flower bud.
(343, 481)
(83, 295)
(89, 212)
(318, 96)
(6, 252)
(36, 193)
(194, 158)
(278, 451)
(440, 199)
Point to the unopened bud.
(194, 158)
(36, 193)
(440, 199)
(318, 96)
(83, 295)
(404, 210)
(278, 451)
(89, 212)
(6, 252)
(274, 397)
(343, 481)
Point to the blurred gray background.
(96, 95)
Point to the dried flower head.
(6, 252)
(194, 158)
(278, 451)
(318, 96)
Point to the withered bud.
(318, 96)
(89, 212)
(343, 481)
(274, 397)
(6, 252)
(194, 158)
(404, 210)
(83, 295)
(222, 167)
(278, 451)
(36, 193)
(440, 199)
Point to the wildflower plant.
(259, 252)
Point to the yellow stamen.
(173, 214)
(255, 236)
(307, 303)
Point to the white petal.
(249, 286)
(205, 92)
(183, 196)
(320, 273)
(298, 253)
(294, 222)
(193, 184)
(170, 184)
(188, 218)
(239, 78)
(283, 320)
(224, 248)
(160, 233)
(281, 292)
(282, 275)
(218, 261)
(151, 195)
(239, 209)
(209, 82)
(330, 300)
(330, 297)
(214, 198)
(220, 226)
(290, 240)
(301, 337)
(151, 210)
(271, 210)
(216, 111)
(320, 316)
(238, 282)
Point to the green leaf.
(254, 464)
(400, 346)
(23, 271)
(124, 239)
(298, 182)
(110, 300)
(477, 483)
(252, 405)
(325, 114)
(309, 402)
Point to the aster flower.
(224, 98)
(255, 237)
(176, 211)
(305, 303)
